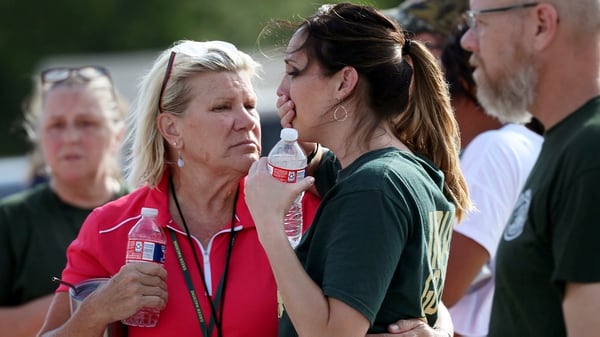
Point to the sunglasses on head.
(192, 49)
(59, 74)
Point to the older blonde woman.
(195, 132)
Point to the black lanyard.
(220, 295)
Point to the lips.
(71, 157)
(247, 143)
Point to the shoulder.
(31, 201)
(507, 137)
(126, 208)
(378, 165)
(512, 144)
(578, 139)
(22, 212)
(589, 129)
(393, 171)
(30, 195)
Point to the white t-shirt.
(495, 165)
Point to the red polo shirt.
(250, 299)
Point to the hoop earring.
(335, 112)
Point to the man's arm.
(581, 308)
(464, 263)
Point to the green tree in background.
(33, 29)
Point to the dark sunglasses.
(59, 74)
(191, 49)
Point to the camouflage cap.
(434, 16)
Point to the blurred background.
(125, 36)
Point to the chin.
(248, 159)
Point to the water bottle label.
(286, 175)
(146, 251)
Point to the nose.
(71, 133)
(284, 87)
(248, 119)
(469, 40)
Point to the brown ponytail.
(408, 92)
(428, 126)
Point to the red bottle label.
(146, 251)
(286, 175)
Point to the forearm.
(24, 320)
(87, 321)
(467, 257)
(581, 306)
(304, 301)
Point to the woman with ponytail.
(378, 247)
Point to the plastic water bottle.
(147, 243)
(287, 163)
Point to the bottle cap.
(289, 134)
(147, 211)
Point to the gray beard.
(509, 97)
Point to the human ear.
(348, 78)
(547, 25)
(168, 126)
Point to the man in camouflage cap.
(429, 21)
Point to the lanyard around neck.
(220, 295)
(219, 298)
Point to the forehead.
(483, 4)
(296, 41)
(213, 85)
(71, 99)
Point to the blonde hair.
(111, 102)
(148, 156)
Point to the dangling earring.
(335, 112)
(180, 161)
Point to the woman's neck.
(86, 195)
(206, 205)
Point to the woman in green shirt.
(75, 121)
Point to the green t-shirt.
(36, 228)
(552, 235)
(379, 241)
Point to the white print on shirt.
(438, 249)
(514, 228)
